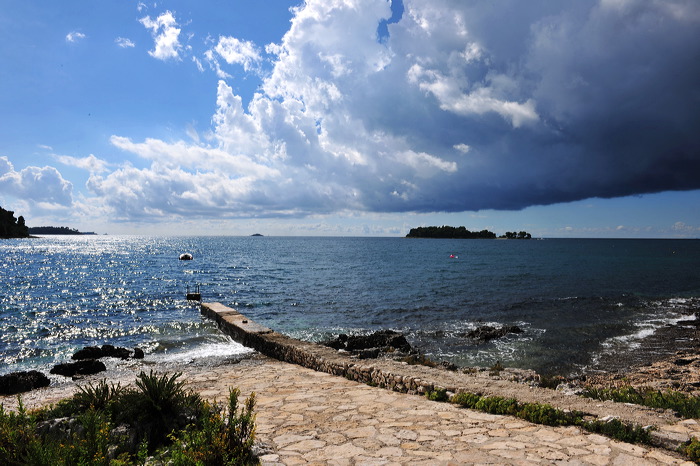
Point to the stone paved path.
(309, 417)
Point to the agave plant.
(159, 405)
(98, 397)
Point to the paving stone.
(306, 445)
(629, 460)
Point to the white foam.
(208, 350)
(648, 327)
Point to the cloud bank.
(42, 185)
(456, 106)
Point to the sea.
(576, 300)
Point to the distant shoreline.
(58, 231)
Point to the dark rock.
(106, 351)
(386, 340)
(114, 352)
(448, 366)
(380, 339)
(370, 353)
(83, 367)
(337, 343)
(486, 332)
(138, 353)
(88, 352)
(18, 382)
(683, 361)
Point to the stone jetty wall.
(311, 355)
(417, 379)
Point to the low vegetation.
(545, 414)
(692, 450)
(685, 405)
(157, 420)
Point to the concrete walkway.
(309, 417)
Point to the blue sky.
(352, 117)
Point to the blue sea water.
(574, 299)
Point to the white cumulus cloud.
(124, 43)
(38, 184)
(166, 35)
(233, 50)
(89, 163)
(75, 36)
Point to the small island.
(11, 227)
(462, 233)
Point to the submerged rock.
(486, 332)
(384, 340)
(138, 353)
(18, 382)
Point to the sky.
(352, 117)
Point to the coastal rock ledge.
(370, 346)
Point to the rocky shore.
(668, 359)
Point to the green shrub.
(548, 415)
(157, 406)
(692, 450)
(497, 405)
(16, 434)
(218, 441)
(171, 424)
(551, 381)
(85, 446)
(466, 400)
(98, 397)
(496, 369)
(439, 394)
(619, 430)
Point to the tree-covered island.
(11, 227)
(462, 233)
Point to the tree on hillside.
(10, 227)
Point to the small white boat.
(186, 257)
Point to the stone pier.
(668, 432)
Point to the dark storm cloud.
(446, 105)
